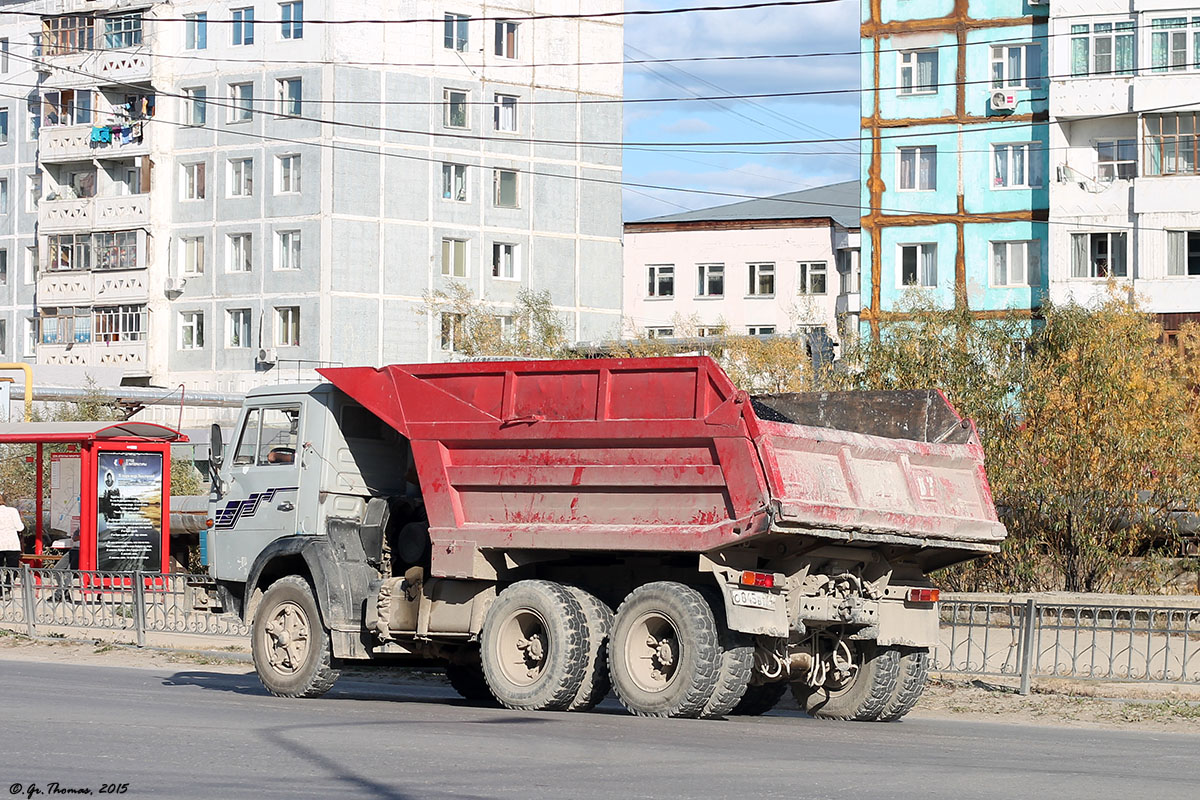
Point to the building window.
(451, 331)
(506, 38)
(31, 264)
(116, 250)
(243, 26)
(191, 330)
(1183, 253)
(710, 280)
(659, 333)
(3, 267)
(455, 108)
(239, 328)
(504, 113)
(33, 192)
(454, 182)
(196, 31)
(1116, 159)
(287, 326)
(68, 107)
(69, 251)
(660, 280)
(918, 265)
(1103, 48)
(71, 33)
(288, 174)
(918, 72)
(1016, 263)
(1015, 166)
(65, 326)
(193, 187)
(761, 330)
(3, 126)
(123, 31)
(119, 324)
(506, 188)
(241, 177)
(454, 258)
(456, 32)
(195, 106)
(504, 261)
(287, 250)
(762, 280)
(4, 56)
(1171, 143)
(1098, 255)
(242, 108)
(1171, 44)
(1016, 66)
(240, 252)
(192, 255)
(289, 93)
(918, 169)
(812, 277)
(3, 337)
(292, 16)
(3, 195)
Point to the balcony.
(88, 288)
(94, 213)
(74, 143)
(131, 356)
(1087, 97)
(848, 303)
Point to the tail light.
(763, 580)
(923, 595)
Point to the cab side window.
(279, 435)
(248, 442)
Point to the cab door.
(265, 477)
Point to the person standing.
(10, 542)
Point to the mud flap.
(908, 626)
(751, 619)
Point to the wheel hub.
(652, 656)
(287, 638)
(523, 647)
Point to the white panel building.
(1124, 111)
(226, 193)
(778, 265)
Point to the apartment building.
(222, 193)
(777, 265)
(955, 189)
(1124, 110)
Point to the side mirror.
(216, 446)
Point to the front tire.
(534, 646)
(664, 654)
(290, 644)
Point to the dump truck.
(551, 531)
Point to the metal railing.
(1126, 641)
(138, 602)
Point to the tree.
(531, 328)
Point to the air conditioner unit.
(175, 285)
(266, 356)
(1002, 100)
(1039, 2)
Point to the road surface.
(203, 733)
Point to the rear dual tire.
(887, 685)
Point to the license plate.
(744, 597)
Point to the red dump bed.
(657, 454)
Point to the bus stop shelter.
(110, 486)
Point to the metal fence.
(138, 602)
(1097, 641)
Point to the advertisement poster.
(129, 522)
(64, 496)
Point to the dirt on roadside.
(1163, 708)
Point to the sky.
(803, 29)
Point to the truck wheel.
(914, 674)
(861, 697)
(759, 699)
(737, 664)
(468, 680)
(290, 645)
(534, 646)
(664, 654)
(598, 619)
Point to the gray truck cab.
(302, 464)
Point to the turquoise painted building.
(955, 162)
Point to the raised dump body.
(548, 530)
(667, 455)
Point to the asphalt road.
(203, 734)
